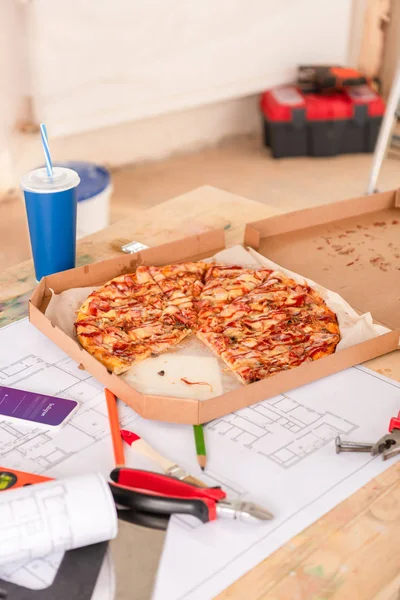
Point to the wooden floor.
(241, 166)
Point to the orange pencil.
(115, 430)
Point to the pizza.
(257, 321)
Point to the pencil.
(200, 445)
(114, 427)
(169, 466)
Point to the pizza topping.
(86, 322)
(120, 348)
(196, 383)
(317, 350)
(180, 285)
(97, 337)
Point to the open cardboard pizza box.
(351, 247)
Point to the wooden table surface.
(353, 552)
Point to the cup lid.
(38, 181)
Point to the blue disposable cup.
(51, 205)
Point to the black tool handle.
(159, 505)
(149, 520)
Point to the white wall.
(131, 80)
(146, 139)
(96, 64)
(14, 81)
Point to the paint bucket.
(94, 192)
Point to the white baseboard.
(150, 139)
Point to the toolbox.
(314, 124)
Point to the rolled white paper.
(59, 515)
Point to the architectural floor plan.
(282, 429)
(38, 451)
(39, 522)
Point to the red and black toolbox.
(339, 122)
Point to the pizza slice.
(120, 292)
(277, 326)
(181, 286)
(110, 345)
(268, 367)
(222, 285)
(278, 302)
(119, 345)
(127, 320)
(252, 359)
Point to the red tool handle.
(129, 437)
(148, 482)
(394, 423)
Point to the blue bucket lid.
(94, 178)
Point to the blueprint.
(57, 515)
(36, 365)
(279, 453)
(31, 362)
(282, 429)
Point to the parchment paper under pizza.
(256, 319)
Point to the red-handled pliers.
(389, 444)
(149, 499)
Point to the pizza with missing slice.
(258, 321)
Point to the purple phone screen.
(38, 408)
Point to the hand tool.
(10, 478)
(350, 446)
(150, 499)
(169, 467)
(388, 445)
(328, 77)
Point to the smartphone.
(49, 412)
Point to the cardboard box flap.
(319, 215)
(357, 256)
(186, 249)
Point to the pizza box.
(321, 243)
